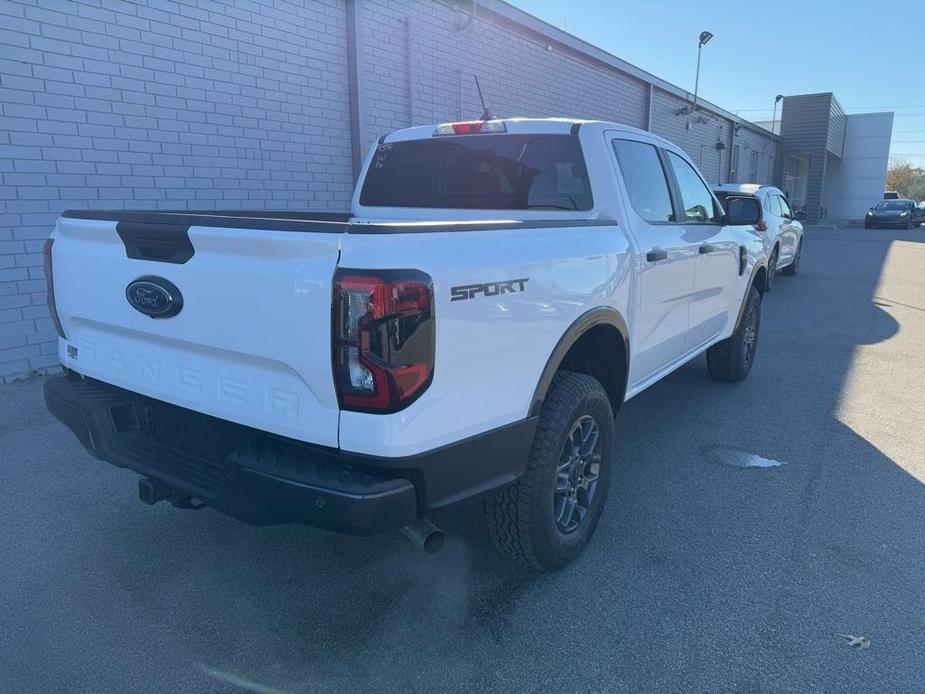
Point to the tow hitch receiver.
(150, 491)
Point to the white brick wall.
(159, 104)
(245, 104)
(519, 74)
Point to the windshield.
(510, 172)
(893, 205)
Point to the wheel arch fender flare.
(748, 290)
(592, 318)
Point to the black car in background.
(902, 213)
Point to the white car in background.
(780, 226)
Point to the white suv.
(780, 226)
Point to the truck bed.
(282, 220)
(325, 222)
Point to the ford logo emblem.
(155, 297)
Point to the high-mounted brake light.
(471, 127)
(383, 338)
(50, 286)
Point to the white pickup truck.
(499, 289)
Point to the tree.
(907, 180)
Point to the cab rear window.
(497, 172)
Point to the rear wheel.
(546, 518)
(794, 265)
(772, 271)
(731, 359)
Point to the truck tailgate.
(252, 343)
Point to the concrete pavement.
(701, 577)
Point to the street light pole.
(705, 37)
(774, 117)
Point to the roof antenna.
(486, 114)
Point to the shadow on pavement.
(701, 576)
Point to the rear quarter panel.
(490, 350)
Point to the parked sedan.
(780, 227)
(902, 213)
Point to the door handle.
(707, 248)
(656, 254)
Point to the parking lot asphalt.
(702, 576)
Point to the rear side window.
(496, 172)
(645, 180)
(772, 204)
(695, 196)
(768, 201)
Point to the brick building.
(215, 104)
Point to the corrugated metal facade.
(812, 127)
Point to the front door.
(666, 259)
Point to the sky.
(871, 54)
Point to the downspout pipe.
(355, 83)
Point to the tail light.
(50, 286)
(383, 338)
(762, 226)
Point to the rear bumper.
(264, 479)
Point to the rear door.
(716, 252)
(790, 231)
(666, 259)
(252, 340)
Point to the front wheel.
(732, 359)
(546, 518)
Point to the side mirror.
(800, 215)
(741, 211)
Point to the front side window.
(496, 172)
(645, 180)
(696, 198)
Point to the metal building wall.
(812, 125)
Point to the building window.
(753, 168)
(770, 169)
(734, 166)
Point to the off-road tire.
(521, 517)
(731, 359)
